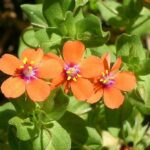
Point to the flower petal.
(96, 96)
(73, 51)
(113, 97)
(106, 61)
(58, 80)
(91, 67)
(82, 88)
(13, 87)
(49, 69)
(33, 55)
(38, 90)
(125, 81)
(117, 65)
(9, 64)
(51, 55)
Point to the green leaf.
(135, 132)
(27, 40)
(110, 11)
(130, 46)
(17, 144)
(141, 25)
(25, 129)
(48, 38)
(99, 51)
(75, 127)
(92, 37)
(144, 67)
(67, 27)
(119, 116)
(54, 10)
(94, 140)
(56, 106)
(79, 108)
(7, 111)
(144, 88)
(81, 135)
(132, 8)
(52, 138)
(80, 3)
(34, 13)
(24, 105)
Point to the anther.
(30, 68)
(69, 78)
(21, 67)
(25, 60)
(74, 79)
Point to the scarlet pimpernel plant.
(81, 78)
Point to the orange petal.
(125, 81)
(49, 69)
(58, 80)
(33, 55)
(96, 96)
(113, 98)
(53, 56)
(73, 51)
(13, 87)
(106, 61)
(117, 65)
(9, 64)
(82, 88)
(38, 90)
(91, 67)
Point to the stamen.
(68, 71)
(74, 79)
(101, 80)
(103, 74)
(72, 72)
(30, 68)
(21, 67)
(107, 72)
(79, 75)
(107, 79)
(25, 60)
(32, 62)
(69, 78)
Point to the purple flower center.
(107, 79)
(27, 71)
(72, 72)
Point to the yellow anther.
(74, 79)
(106, 71)
(69, 78)
(21, 66)
(101, 80)
(68, 72)
(25, 60)
(103, 74)
(79, 75)
(30, 68)
(105, 81)
(32, 62)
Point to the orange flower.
(111, 82)
(76, 70)
(27, 74)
